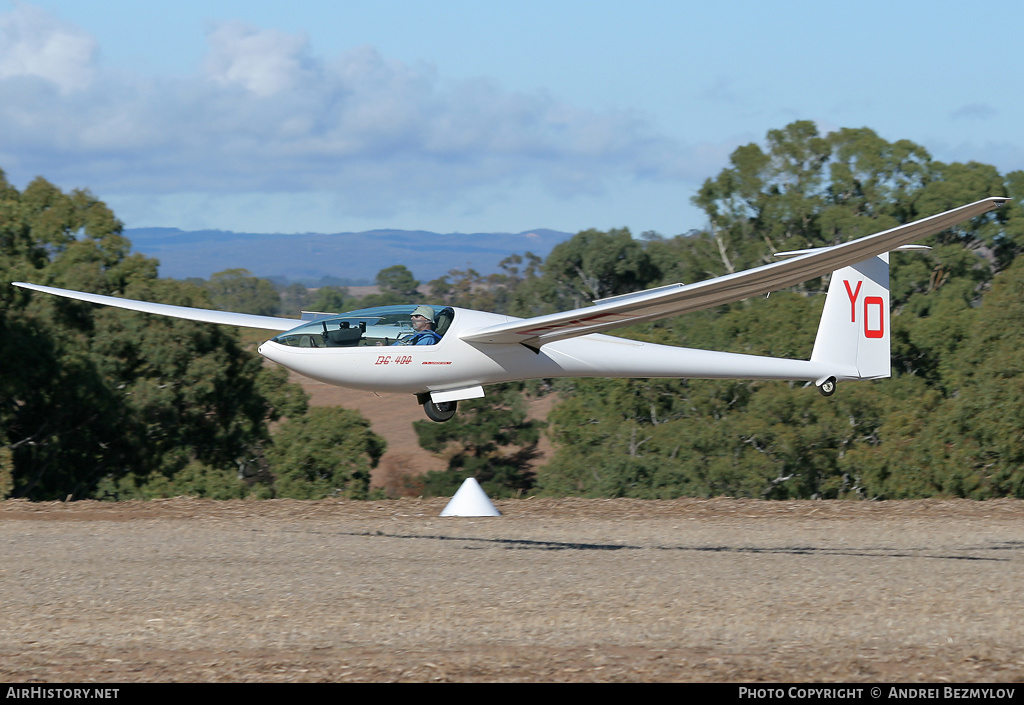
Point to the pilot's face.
(419, 323)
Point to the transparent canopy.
(381, 325)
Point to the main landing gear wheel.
(828, 387)
(441, 411)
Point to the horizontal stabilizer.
(901, 248)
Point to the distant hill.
(354, 256)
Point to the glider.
(364, 349)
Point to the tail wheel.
(441, 411)
(828, 387)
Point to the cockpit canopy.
(381, 325)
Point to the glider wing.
(674, 299)
(245, 320)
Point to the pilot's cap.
(424, 311)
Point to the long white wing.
(245, 320)
(674, 299)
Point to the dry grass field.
(553, 590)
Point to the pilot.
(423, 322)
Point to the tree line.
(107, 403)
(949, 423)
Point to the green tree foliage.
(518, 286)
(59, 416)
(333, 299)
(121, 403)
(947, 425)
(294, 299)
(105, 402)
(507, 291)
(328, 452)
(489, 439)
(397, 286)
(397, 280)
(238, 290)
(198, 397)
(702, 438)
(961, 435)
(466, 289)
(595, 265)
(667, 438)
(806, 190)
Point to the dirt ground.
(554, 590)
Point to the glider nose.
(269, 351)
(275, 352)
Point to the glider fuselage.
(357, 349)
(455, 363)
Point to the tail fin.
(853, 335)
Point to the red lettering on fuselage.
(393, 359)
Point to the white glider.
(363, 349)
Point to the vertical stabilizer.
(854, 329)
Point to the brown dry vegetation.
(554, 590)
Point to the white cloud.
(266, 115)
(264, 62)
(35, 44)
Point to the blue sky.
(476, 116)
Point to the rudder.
(853, 335)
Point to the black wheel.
(441, 411)
(828, 387)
